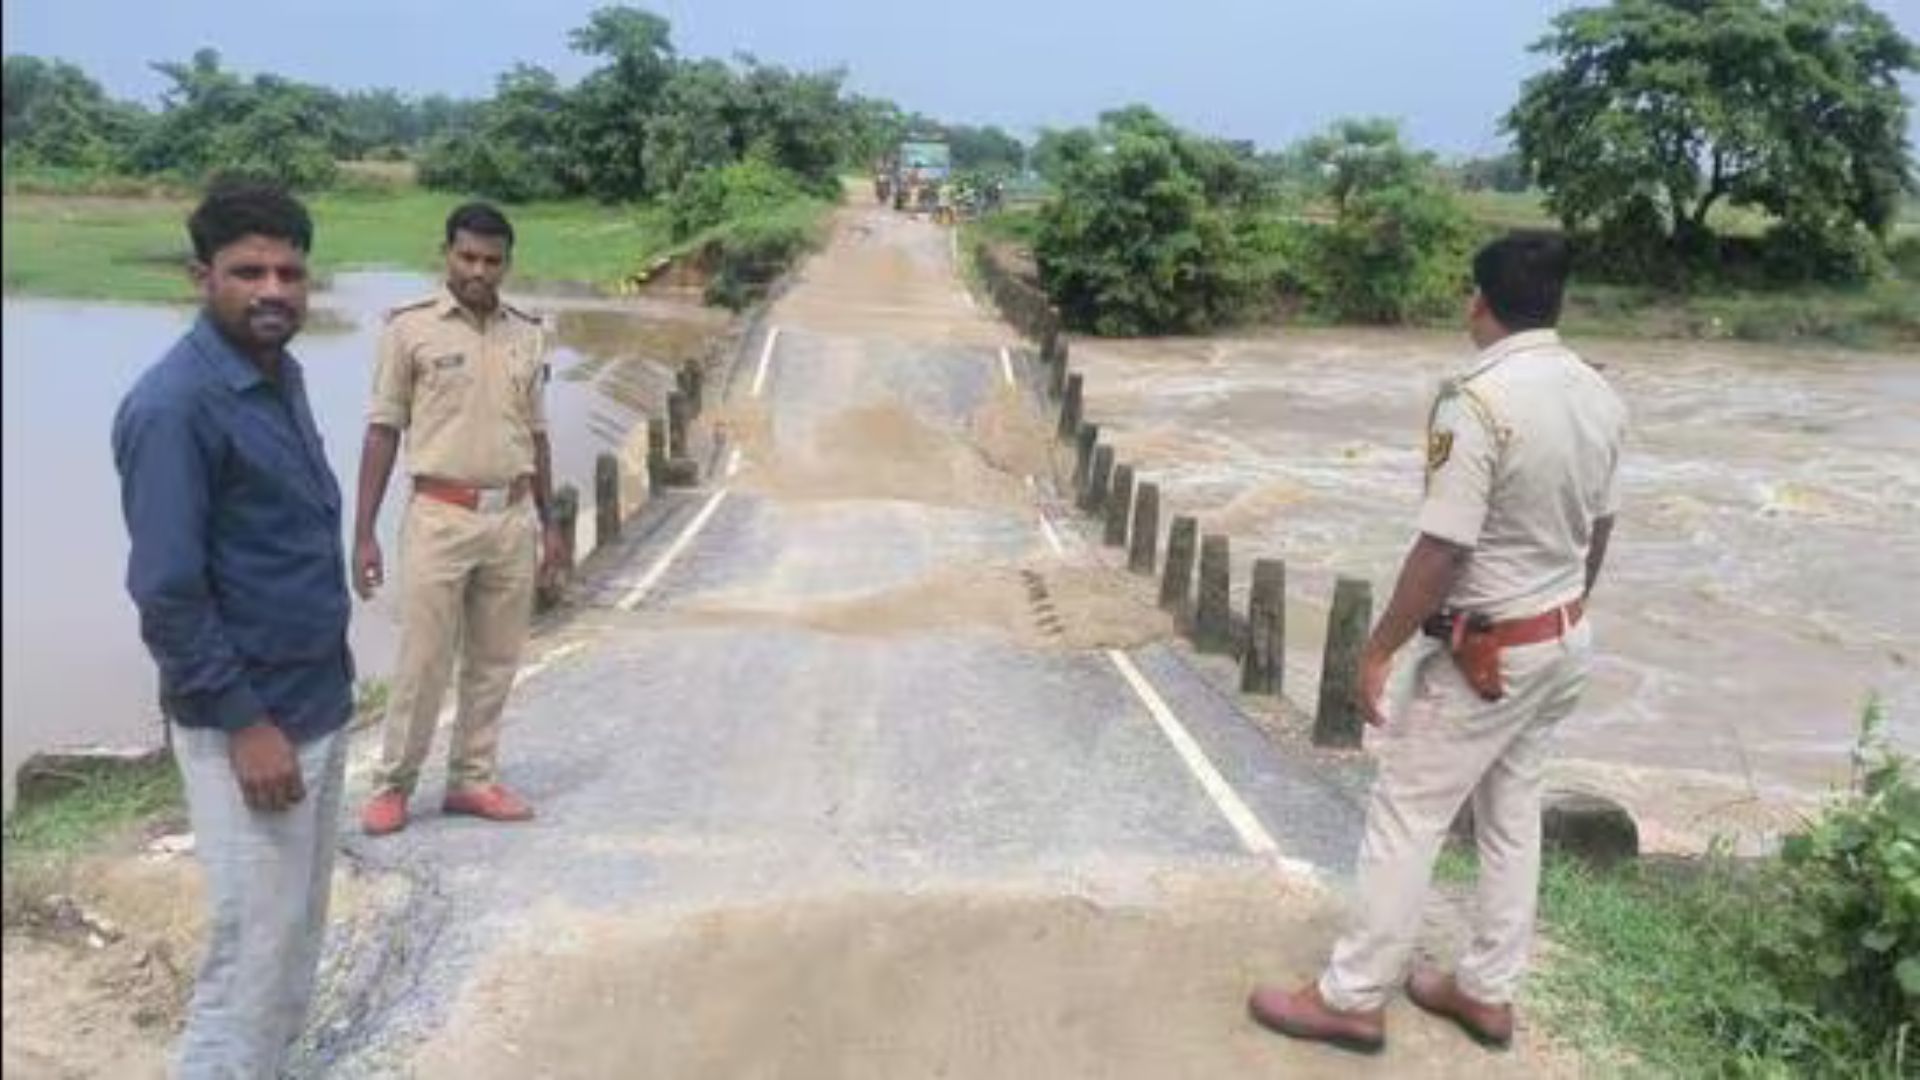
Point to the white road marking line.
(1006, 365)
(653, 576)
(542, 664)
(733, 463)
(1253, 835)
(365, 763)
(1053, 537)
(766, 358)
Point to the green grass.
(1648, 971)
(1883, 315)
(86, 816)
(134, 248)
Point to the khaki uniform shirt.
(1523, 452)
(469, 394)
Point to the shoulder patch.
(1439, 449)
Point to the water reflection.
(76, 671)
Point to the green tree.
(698, 125)
(1133, 244)
(1657, 111)
(517, 148)
(610, 108)
(214, 121)
(56, 115)
(985, 149)
(1396, 254)
(797, 120)
(1357, 156)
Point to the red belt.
(1512, 633)
(1546, 626)
(465, 495)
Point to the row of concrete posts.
(1127, 507)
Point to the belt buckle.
(491, 500)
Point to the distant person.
(239, 576)
(1523, 453)
(463, 375)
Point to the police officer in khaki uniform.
(1522, 453)
(463, 375)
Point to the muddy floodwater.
(1765, 576)
(76, 672)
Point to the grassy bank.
(40, 841)
(133, 248)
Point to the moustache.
(269, 307)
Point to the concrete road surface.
(856, 763)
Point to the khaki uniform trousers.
(467, 582)
(1444, 746)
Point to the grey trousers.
(1444, 747)
(268, 877)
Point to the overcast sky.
(1267, 70)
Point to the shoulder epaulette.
(416, 305)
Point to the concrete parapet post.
(1213, 614)
(678, 420)
(1338, 720)
(606, 499)
(1057, 373)
(1263, 666)
(1177, 585)
(1119, 506)
(1084, 441)
(1143, 551)
(1070, 407)
(1094, 495)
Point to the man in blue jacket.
(239, 575)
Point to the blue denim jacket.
(237, 565)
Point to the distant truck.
(921, 171)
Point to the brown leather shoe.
(384, 813)
(1489, 1025)
(1303, 1014)
(491, 801)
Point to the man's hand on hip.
(266, 767)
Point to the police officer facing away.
(1523, 450)
(237, 571)
(463, 375)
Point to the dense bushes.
(742, 190)
(1156, 231)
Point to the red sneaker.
(491, 801)
(384, 813)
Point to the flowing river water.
(1765, 577)
(76, 672)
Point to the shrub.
(1394, 255)
(742, 190)
(1851, 881)
(1133, 245)
(748, 254)
(1803, 252)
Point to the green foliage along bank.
(1804, 965)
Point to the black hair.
(480, 219)
(235, 209)
(1523, 277)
